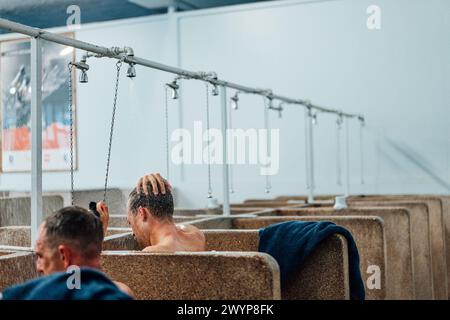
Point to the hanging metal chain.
(71, 132)
(266, 125)
(208, 138)
(166, 115)
(118, 66)
(339, 122)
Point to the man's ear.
(143, 213)
(65, 255)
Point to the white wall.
(398, 77)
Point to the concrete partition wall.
(369, 236)
(440, 237)
(15, 236)
(446, 212)
(251, 210)
(201, 222)
(427, 280)
(309, 282)
(263, 204)
(439, 219)
(231, 240)
(120, 221)
(180, 212)
(402, 259)
(323, 276)
(16, 268)
(21, 236)
(112, 231)
(195, 276)
(17, 211)
(196, 212)
(294, 198)
(283, 201)
(116, 199)
(123, 241)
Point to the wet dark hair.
(160, 205)
(76, 227)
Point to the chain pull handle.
(118, 66)
(70, 65)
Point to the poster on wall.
(15, 90)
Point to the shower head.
(212, 202)
(362, 120)
(131, 71)
(314, 118)
(174, 86)
(83, 76)
(215, 90)
(234, 101)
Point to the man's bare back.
(187, 238)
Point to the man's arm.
(103, 210)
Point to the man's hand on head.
(158, 183)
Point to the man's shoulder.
(199, 234)
(194, 238)
(187, 228)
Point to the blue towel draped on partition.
(291, 242)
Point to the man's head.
(148, 210)
(70, 236)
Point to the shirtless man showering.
(150, 214)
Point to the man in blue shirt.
(69, 240)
